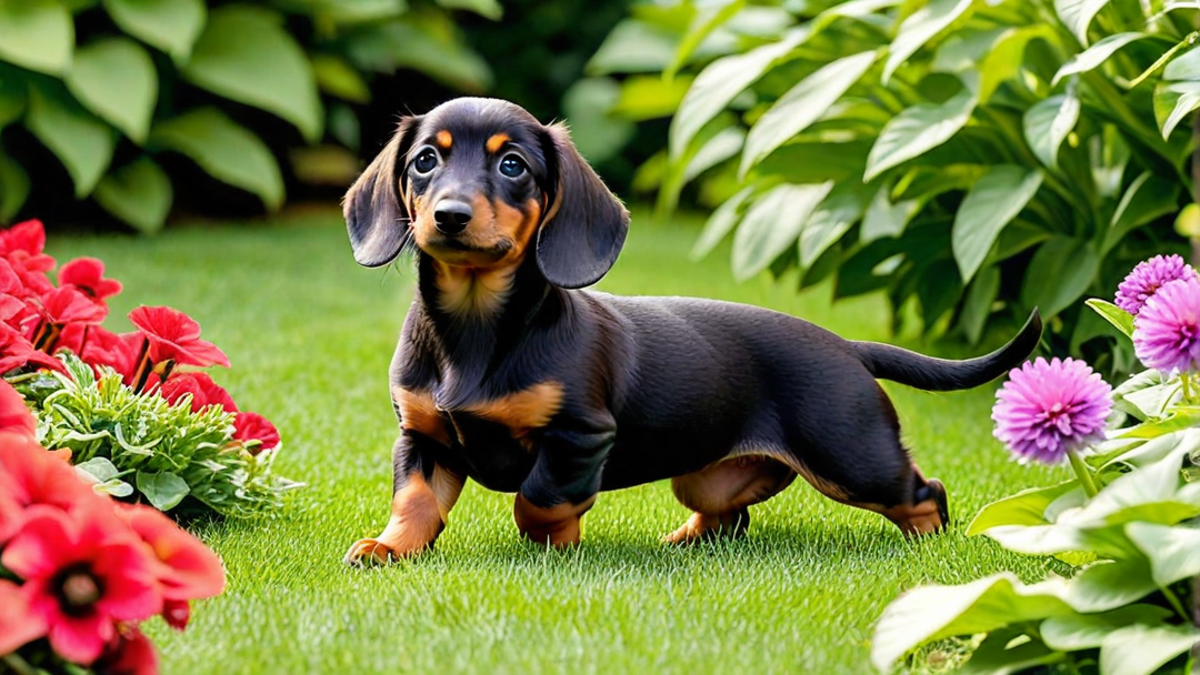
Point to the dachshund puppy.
(508, 375)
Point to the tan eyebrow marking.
(496, 142)
(444, 139)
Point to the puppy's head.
(478, 183)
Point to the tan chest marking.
(419, 413)
(522, 411)
(463, 291)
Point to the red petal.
(42, 547)
(15, 416)
(177, 613)
(175, 336)
(250, 426)
(69, 305)
(189, 570)
(18, 623)
(80, 639)
(28, 236)
(133, 654)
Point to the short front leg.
(564, 482)
(422, 495)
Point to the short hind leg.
(720, 494)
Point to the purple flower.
(1147, 278)
(1046, 409)
(1166, 334)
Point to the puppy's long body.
(508, 375)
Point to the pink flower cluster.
(37, 319)
(87, 569)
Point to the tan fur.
(496, 142)
(419, 413)
(418, 516)
(719, 494)
(444, 139)
(523, 411)
(557, 526)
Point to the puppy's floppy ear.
(376, 216)
(585, 225)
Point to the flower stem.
(1083, 473)
(1185, 379)
(1173, 600)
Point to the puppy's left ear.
(586, 224)
(377, 218)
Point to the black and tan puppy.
(508, 376)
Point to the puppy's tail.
(926, 372)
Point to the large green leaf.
(81, 142)
(978, 304)
(917, 130)
(245, 54)
(802, 105)
(772, 224)
(886, 219)
(36, 34)
(1073, 632)
(1105, 586)
(14, 187)
(1119, 318)
(116, 80)
(1009, 651)
(1172, 103)
(633, 46)
(1059, 273)
(920, 27)
(1005, 60)
(708, 18)
(1148, 197)
(933, 612)
(427, 42)
(164, 490)
(336, 77)
(489, 9)
(1171, 550)
(1077, 15)
(1185, 66)
(990, 204)
(832, 219)
(12, 98)
(722, 80)
(1048, 123)
(1027, 507)
(225, 150)
(139, 194)
(170, 25)
(721, 223)
(1094, 56)
(1141, 650)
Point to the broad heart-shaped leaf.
(917, 130)
(1060, 272)
(1073, 632)
(1172, 550)
(36, 34)
(99, 468)
(1002, 652)
(1148, 197)
(1155, 451)
(720, 82)
(1027, 507)
(1141, 650)
(1077, 15)
(1094, 56)
(81, 142)
(245, 54)
(802, 105)
(1150, 485)
(225, 150)
(1106, 586)
(1172, 103)
(116, 80)
(139, 194)
(990, 204)
(1185, 66)
(933, 612)
(832, 219)
(721, 223)
(170, 25)
(1119, 318)
(772, 224)
(977, 306)
(164, 490)
(886, 219)
(1048, 123)
(14, 187)
(921, 27)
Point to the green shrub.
(974, 158)
(110, 86)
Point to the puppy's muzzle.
(451, 216)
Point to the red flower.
(27, 237)
(18, 352)
(18, 624)
(69, 305)
(87, 275)
(204, 391)
(130, 654)
(185, 568)
(174, 336)
(82, 574)
(250, 426)
(177, 613)
(15, 416)
(106, 348)
(31, 476)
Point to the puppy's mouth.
(459, 250)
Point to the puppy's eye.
(426, 161)
(512, 166)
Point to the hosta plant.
(1129, 522)
(972, 158)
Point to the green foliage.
(108, 87)
(988, 156)
(1135, 540)
(139, 444)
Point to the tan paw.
(370, 552)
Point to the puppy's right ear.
(376, 216)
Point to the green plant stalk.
(1176, 605)
(1082, 472)
(1185, 381)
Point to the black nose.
(451, 216)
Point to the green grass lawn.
(310, 336)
